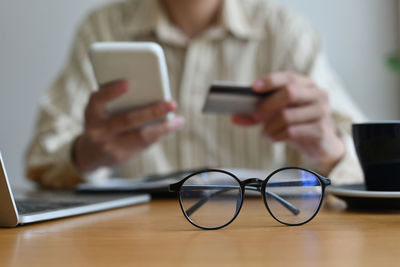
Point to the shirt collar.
(235, 20)
(150, 17)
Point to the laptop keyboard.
(38, 205)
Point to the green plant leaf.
(393, 62)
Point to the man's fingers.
(244, 120)
(145, 137)
(136, 118)
(291, 95)
(299, 132)
(276, 80)
(295, 115)
(122, 147)
(106, 93)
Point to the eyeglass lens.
(211, 199)
(300, 188)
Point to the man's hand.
(299, 114)
(109, 140)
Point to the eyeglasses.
(212, 199)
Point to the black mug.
(378, 149)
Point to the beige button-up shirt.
(252, 38)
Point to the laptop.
(52, 205)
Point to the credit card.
(231, 98)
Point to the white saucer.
(359, 190)
(357, 197)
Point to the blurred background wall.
(35, 37)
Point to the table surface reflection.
(157, 234)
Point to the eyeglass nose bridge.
(256, 182)
(252, 181)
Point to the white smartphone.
(142, 64)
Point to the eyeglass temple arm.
(281, 200)
(203, 201)
(224, 189)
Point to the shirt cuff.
(63, 173)
(348, 169)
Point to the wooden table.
(157, 234)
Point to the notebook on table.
(154, 184)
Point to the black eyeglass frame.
(260, 185)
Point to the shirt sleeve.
(60, 120)
(301, 51)
(344, 112)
